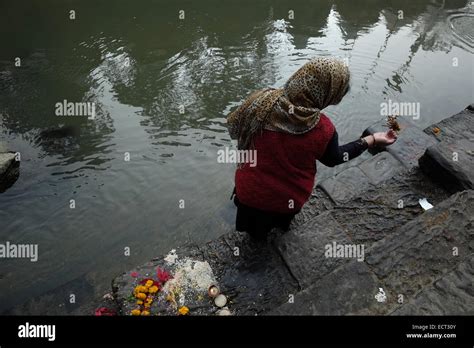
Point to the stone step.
(403, 264)
(410, 145)
(451, 164)
(303, 249)
(453, 128)
(424, 249)
(349, 289)
(453, 294)
(380, 210)
(318, 202)
(355, 180)
(451, 161)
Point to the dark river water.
(162, 87)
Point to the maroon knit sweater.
(283, 178)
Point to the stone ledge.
(453, 128)
(303, 249)
(346, 185)
(421, 251)
(376, 213)
(381, 167)
(451, 295)
(439, 163)
(9, 170)
(348, 290)
(318, 203)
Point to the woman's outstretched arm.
(336, 154)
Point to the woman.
(289, 133)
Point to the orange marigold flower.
(149, 283)
(146, 313)
(136, 312)
(141, 296)
(139, 302)
(183, 310)
(153, 289)
(140, 288)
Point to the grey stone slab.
(318, 203)
(459, 126)
(410, 145)
(453, 294)
(422, 251)
(451, 164)
(303, 249)
(348, 290)
(346, 185)
(9, 170)
(7, 159)
(381, 167)
(381, 210)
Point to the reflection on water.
(162, 89)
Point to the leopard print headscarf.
(296, 107)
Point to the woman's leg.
(255, 222)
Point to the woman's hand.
(385, 138)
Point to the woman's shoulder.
(325, 122)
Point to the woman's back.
(283, 177)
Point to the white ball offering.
(220, 301)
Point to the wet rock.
(318, 203)
(350, 289)
(381, 210)
(303, 249)
(451, 164)
(346, 185)
(453, 128)
(410, 145)
(9, 170)
(381, 167)
(453, 294)
(423, 250)
(252, 275)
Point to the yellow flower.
(153, 289)
(136, 312)
(183, 310)
(140, 296)
(139, 302)
(147, 305)
(146, 313)
(141, 288)
(149, 283)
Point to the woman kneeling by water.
(289, 133)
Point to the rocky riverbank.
(363, 244)
(9, 170)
